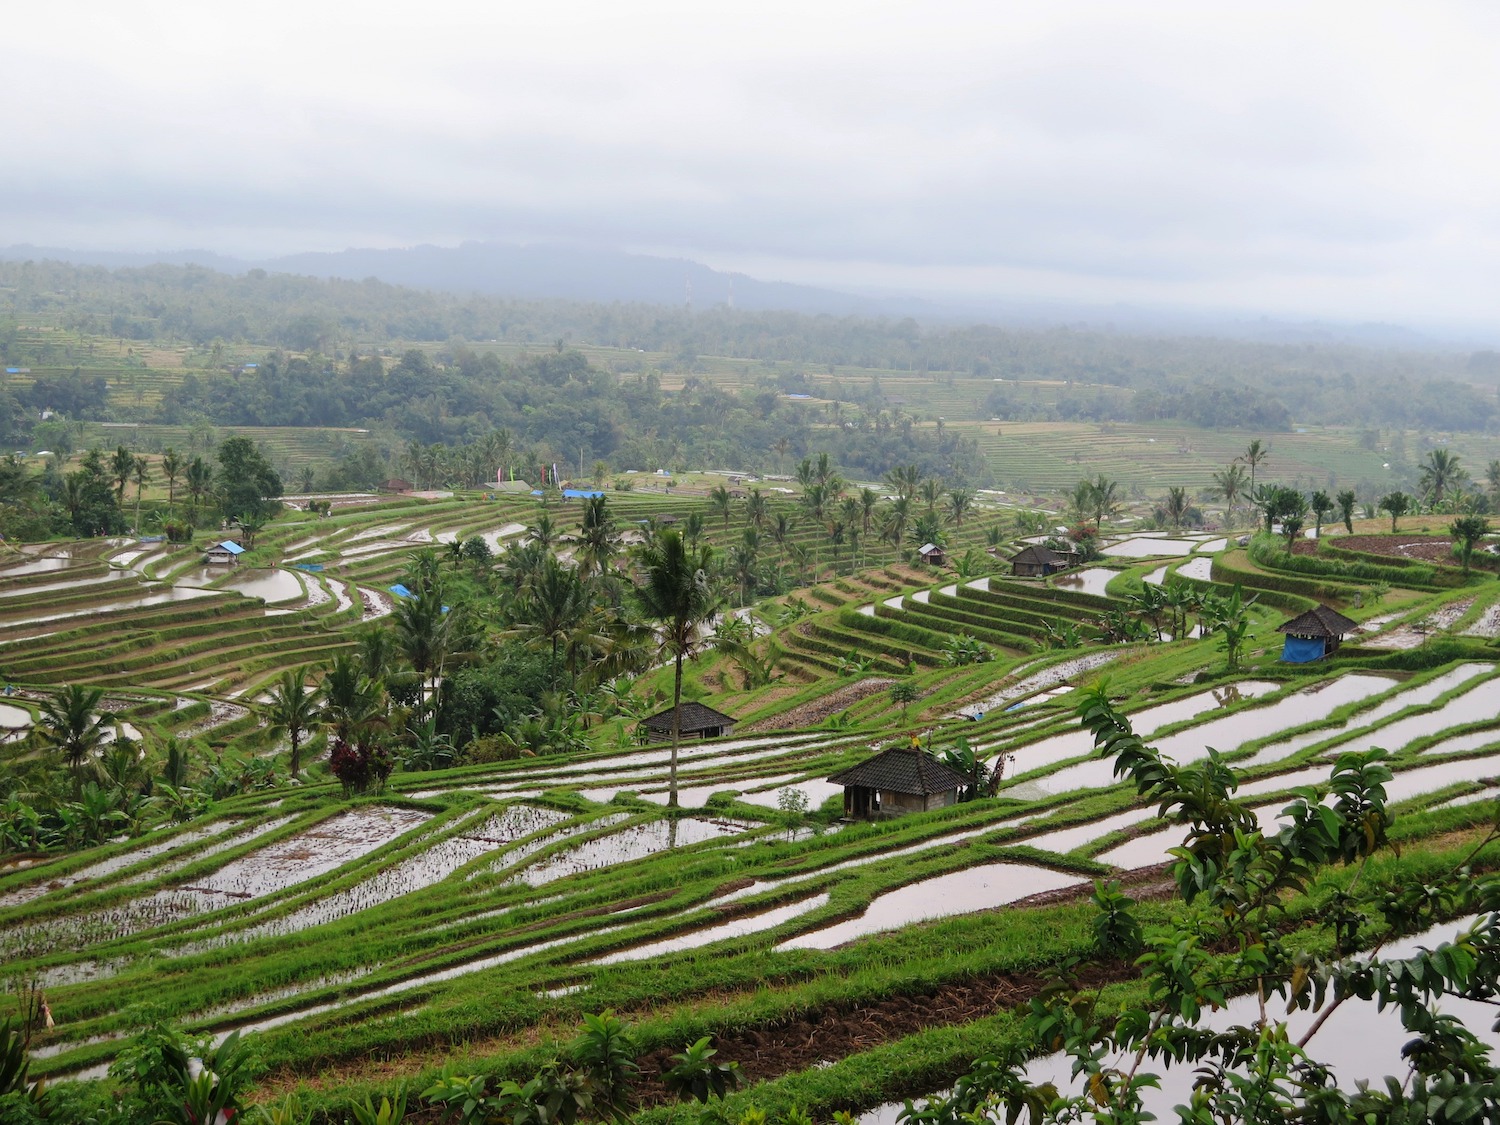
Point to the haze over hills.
(599, 275)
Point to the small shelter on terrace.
(395, 484)
(698, 721)
(896, 781)
(1037, 561)
(226, 553)
(1314, 635)
(932, 554)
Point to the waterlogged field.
(491, 905)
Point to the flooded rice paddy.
(735, 928)
(632, 843)
(1090, 581)
(958, 892)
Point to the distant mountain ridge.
(535, 271)
(602, 276)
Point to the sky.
(1329, 159)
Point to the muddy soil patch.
(1426, 548)
(811, 714)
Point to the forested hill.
(1207, 381)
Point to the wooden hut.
(896, 781)
(932, 554)
(698, 721)
(226, 553)
(1314, 635)
(1037, 561)
(395, 484)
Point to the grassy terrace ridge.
(475, 928)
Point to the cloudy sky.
(1335, 158)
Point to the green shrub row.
(1267, 553)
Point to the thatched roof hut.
(1315, 634)
(896, 781)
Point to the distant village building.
(932, 554)
(226, 553)
(897, 781)
(395, 484)
(1037, 561)
(1314, 635)
(698, 721)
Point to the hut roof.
(1038, 555)
(695, 717)
(902, 770)
(228, 545)
(396, 484)
(1320, 621)
(930, 548)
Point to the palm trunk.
(676, 732)
(296, 754)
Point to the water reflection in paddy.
(1090, 581)
(629, 844)
(1229, 733)
(1146, 722)
(958, 892)
(1408, 697)
(738, 927)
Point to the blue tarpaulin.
(401, 591)
(580, 494)
(311, 568)
(1302, 650)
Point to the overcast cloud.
(1310, 159)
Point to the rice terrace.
(544, 734)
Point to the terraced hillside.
(482, 910)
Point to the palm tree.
(172, 465)
(1492, 478)
(121, 465)
(904, 480)
(742, 560)
(598, 541)
(719, 503)
(1232, 483)
(200, 481)
(756, 508)
(351, 697)
(551, 608)
(1347, 501)
(1441, 474)
(292, 710)
(836, 534)
(543, 532)
(893, 524)
(960, 500)
(424, 633)
(869, 501)
(140, 473)
(692, 528)
(1397, 504)
(1175, 506)
(72, 723)
(1254, 454)
(678, 594)
(931, 492)
(1105, 497)
(781, 529)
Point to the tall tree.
(200, 480)
(1441, 475)
(1232, 483)
(140, 473)
(720, 503)
(1255, 453)
(1321, 504)
(960, 502)
(1104, 498)
(1468, 531)
(72, 723)
(1175, 506)
(292, 710)
(121, 465)
(1347, 501)
(245, 480)
(677, 593)
(172, 466)
(1397, 504)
